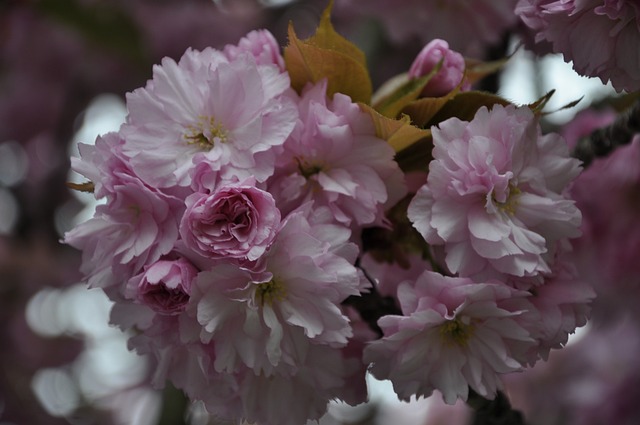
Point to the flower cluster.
(225, 236)
(234, 234)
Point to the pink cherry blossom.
(599, 37)
(494, 195)
(323, 374)
(606, 254)
(103, 163)
(562, 304)
(261, 44)
(136, 225)
(236, 221)
(334, 158)
(388, 276)
(453, 334)
(450, 73)
(165, 286)
(263, 319)
(232, 113)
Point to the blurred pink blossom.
(470, 26)
(259, 43)
(600, 37)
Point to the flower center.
(205, 133)
(510, 204)
(308, 169)
(456, 331)
(270, 291)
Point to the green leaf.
(423, 110)
(464, 106)
(328, 55)
(476, 70)
(403, 94)
(539, 104)
(399, 133)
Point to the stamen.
(510, 204)
(206, 133)
(308, 169)
(270, 291)
(456, 332)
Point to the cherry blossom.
(599, 37)
(494, 195)
(334, 158)
(231, 112)
(453, 334)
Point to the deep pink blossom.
(600, 37)
(448, 76)
(236, 221)
(454, 334)
(165, 286)
(494, 195)
(231, 113)
(334, 158)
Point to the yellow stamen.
(206, 133)
(270, 291)
(456, 332)
(510, 204)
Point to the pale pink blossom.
(454, 334)
(561, 305)
(389, 275)
(599, 37)
(263, 319)
(236, 221)
(231, 113)
(607, 253)
(323, 374)
(262, 45)
(494, 197)
(103, 163)
(135, 227)
(165, 286)
(448, 76)
(334, 158)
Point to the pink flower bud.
(449, 75)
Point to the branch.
(603, 141)
(493, 412)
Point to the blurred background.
(65, 66)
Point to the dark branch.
(603, 141)
(493, 412)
